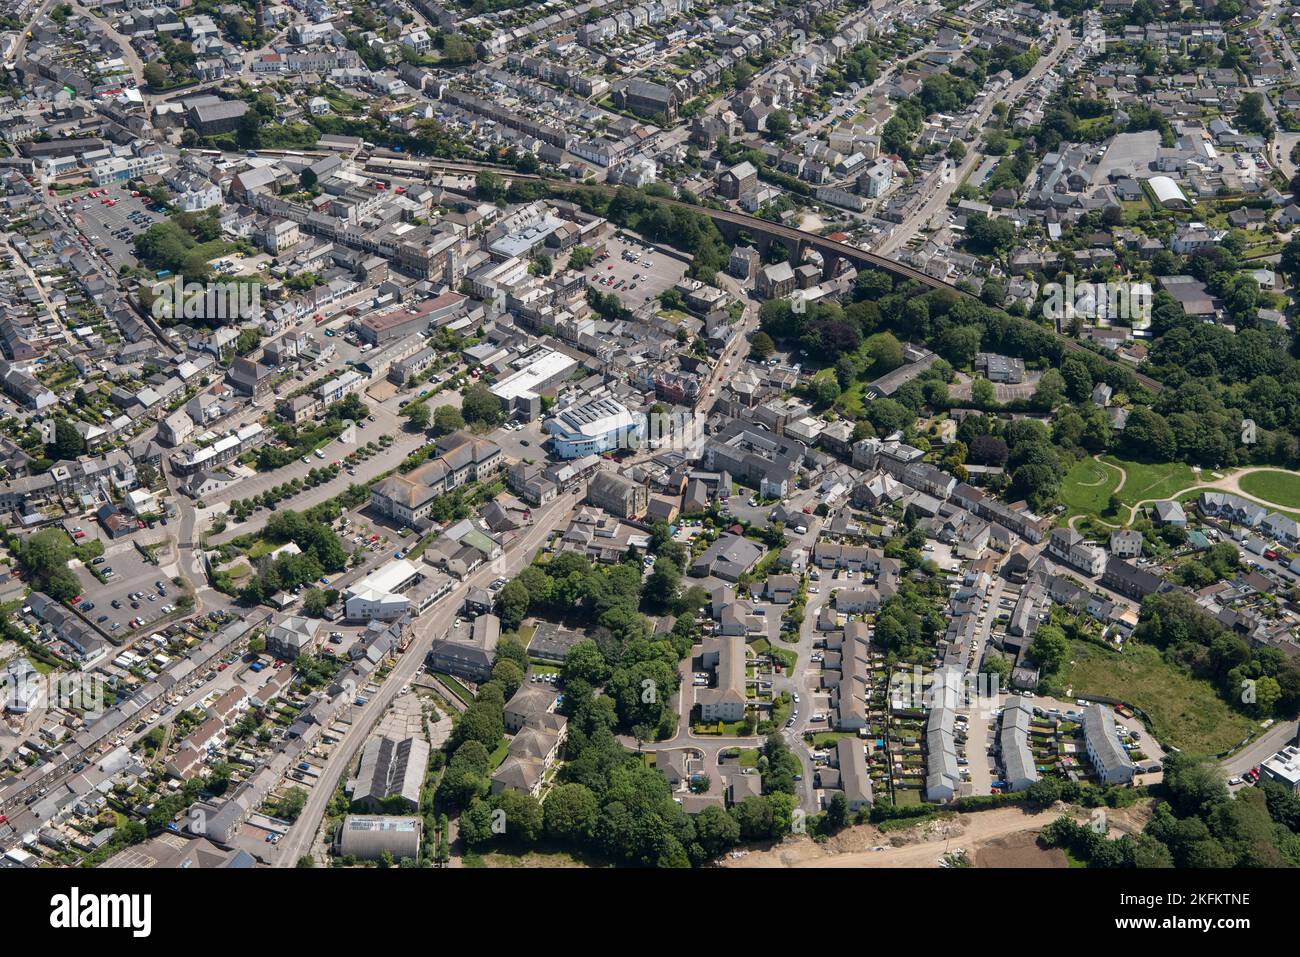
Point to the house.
(725, 701)
(1067, 546)
(855, 781)
(1109, 759)
(462, 459)
(942, 773)
(291, 637)
(1018, 768)
(856, 601)
(391, 774)
(1170, 513)
(729, 557)
(737, 181)
(468, 652)
(1129, 580)
(776, 280)
(781, 589)
(1126, 543)
(618, 495)
(528, 701)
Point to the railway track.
(382, 161)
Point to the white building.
(592, 427)
(380, 594)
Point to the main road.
(433, 624)
(938, 200)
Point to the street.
(432, 625)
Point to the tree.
(68, 443)
(1050, 647)
(1252, 114)
(522, 815)
(661, 588)
(488, 185)
(981, 392)
(314, 603)
(715, 829)
(779, 123)
(509, 674)
(512, 604)
(307, 178)
(837, 812)
(155, 74)
(480, 406)
(570, 813)
(584, 662)
(580, 257)
(447, 419)
(418, 415)
(1289, 261)
(761, 346)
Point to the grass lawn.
(1087, 488)
(1152, 480)
(827, 739)
(905, 797)
(1184, 712)
(455, 687)
(543, 856)
(261, 547)
(748, 758)
(1281, 488)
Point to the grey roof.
(1017, 760)
(1103, 741)
(391, 768)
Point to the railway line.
(384, 162)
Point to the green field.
(1278, 487)
(1184, 712)
(1087, 488)
(1147, 481)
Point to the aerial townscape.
(646, 434)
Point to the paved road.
(938, 200)
(1265, 746)
(432, 624)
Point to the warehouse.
(367, 838)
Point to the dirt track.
(923, 845)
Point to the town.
(849, 433)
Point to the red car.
(78, 534)
(221, 667)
